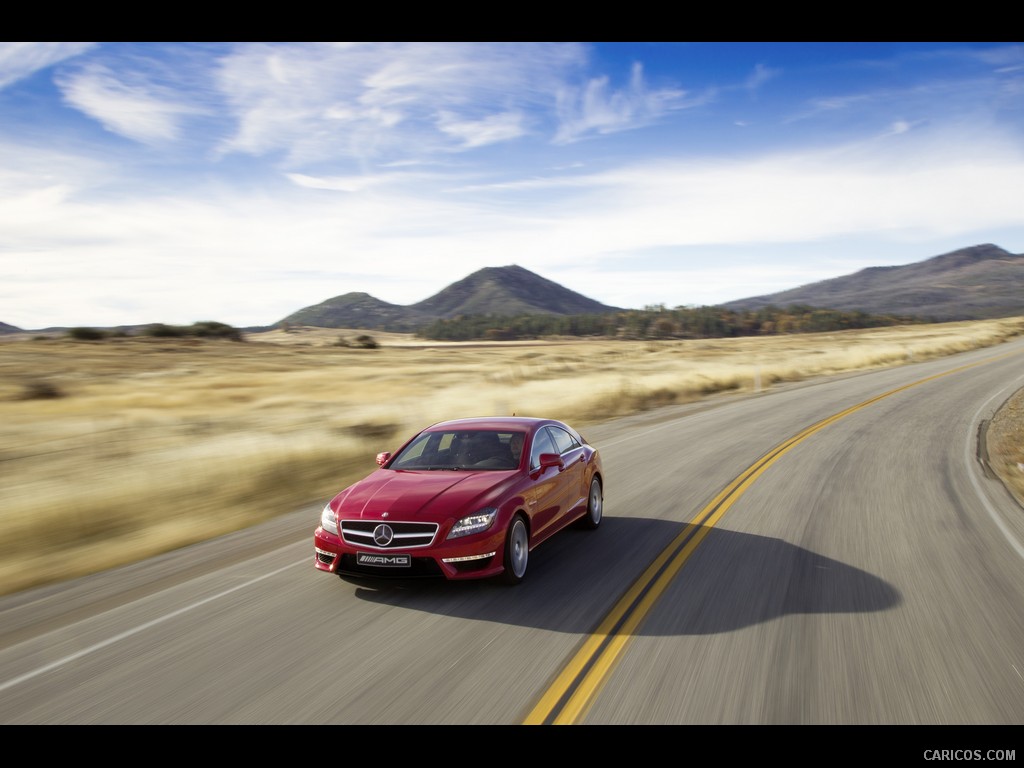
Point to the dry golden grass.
(116, 450)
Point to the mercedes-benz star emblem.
(382, 535)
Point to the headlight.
(328, 521)
(479, 521)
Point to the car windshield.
(483, 449)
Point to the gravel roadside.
(1005, 445)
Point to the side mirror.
(382, 458)
(551, 460)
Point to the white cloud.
(1006, 58)
(334, 183)
(20, 60)
(310, 244)
(138, 111)
(760, 76)
(382, 102)
(477, 133)
(936, 188)
(597, 108)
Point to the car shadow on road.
(732, 580)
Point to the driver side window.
(542, 443)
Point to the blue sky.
(240, 182)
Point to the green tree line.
(207, 329)
(658, 322)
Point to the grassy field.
(113, 451)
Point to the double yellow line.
(567, 699)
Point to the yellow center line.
(575, 688)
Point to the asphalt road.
(831, 552)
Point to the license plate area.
(379, 560)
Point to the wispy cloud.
(478, 133)
(20, 60)
(353, 183)
(976, 83)
(141, 111)
(384, 102)
(761, 75)
(596, 107)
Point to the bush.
(161, 331)
(86, 334)
(214, 330)
(39, 389)
(363, 341)
(207, 329)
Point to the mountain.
(357, 310)
(5, 328)
(975, 283)
(509, 290)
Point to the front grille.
(403, 535)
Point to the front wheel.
(595, 506)
(517, 551)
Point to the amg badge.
(384, 561)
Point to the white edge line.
(135, 630)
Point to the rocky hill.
(975, 283)
(509, 290)
(357, 310)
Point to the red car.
(463, 499)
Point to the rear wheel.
(517, 551)
(595, 506)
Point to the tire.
(595, 506)
(517, 551)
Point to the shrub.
(207, 329)
(39, 389)
(213, 329)
(86, 334)
(161, 331)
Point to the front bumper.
(474, 557)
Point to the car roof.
(491, 422)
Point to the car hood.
(409, 495)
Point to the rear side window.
(563, 440)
